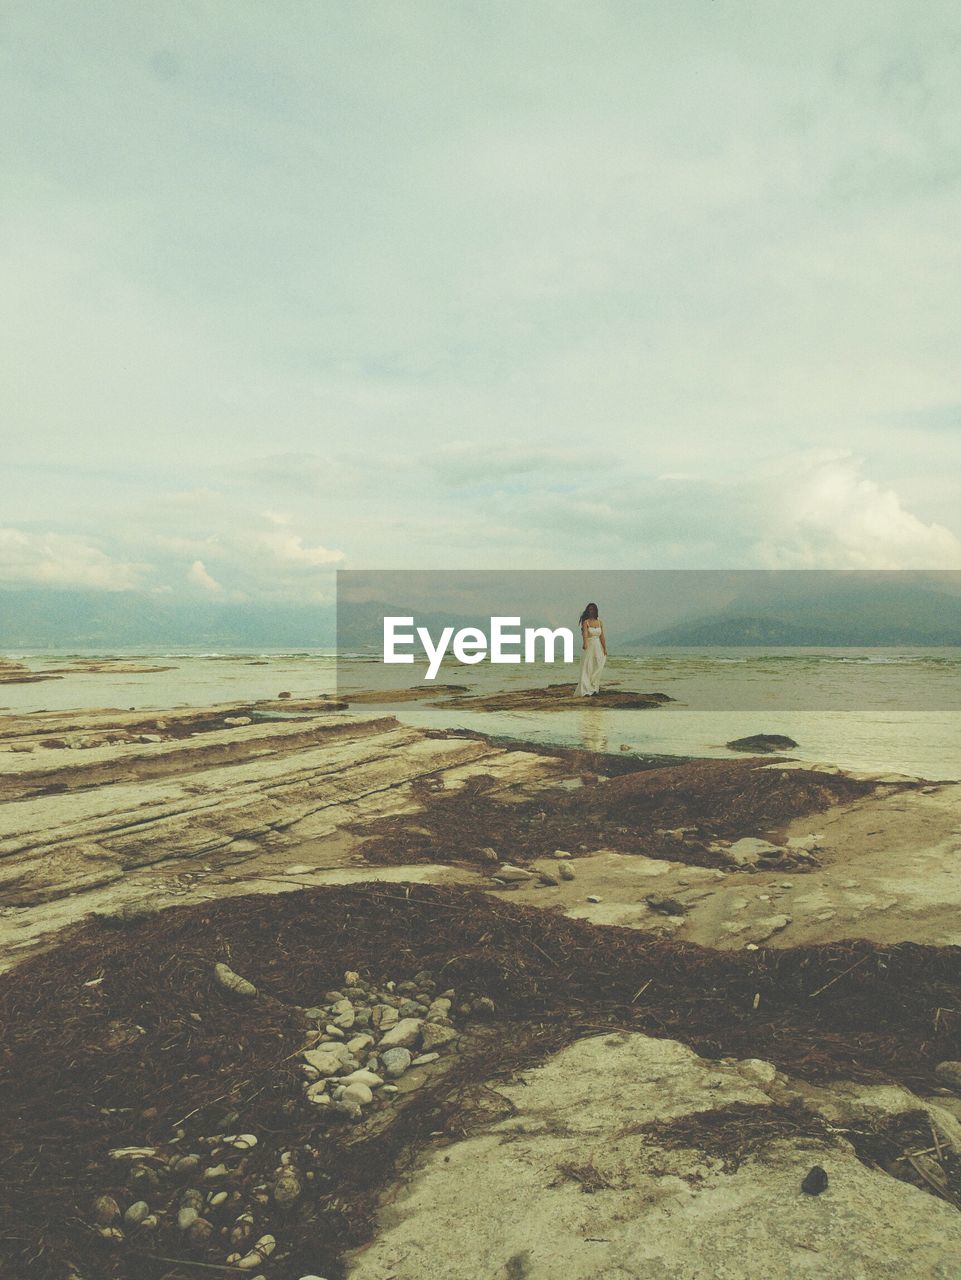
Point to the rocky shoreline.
(377, 998)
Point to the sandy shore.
(107, 813)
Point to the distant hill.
(37, 618)
(858, 614)
(360, 625)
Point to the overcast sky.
(641, 284)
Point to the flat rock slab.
(555, 697)
(656, 1209)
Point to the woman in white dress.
(595, 652)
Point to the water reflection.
(593, 725)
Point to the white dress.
(592, 663)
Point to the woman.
(595, 652)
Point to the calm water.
(872, 709)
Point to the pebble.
(328, 1064)
(337, 1047)
(403, 1035)
(260, 1253)
(433, 1036)
(242, 1231)
(362, 1076)
(199, 1232)
(359, 1093)
(240, 1141)
(287, 1187)
(815, 1181)
(592, 897)
(424, 1058)
(231, 981)
(106, 1210)
(136, 1213)
(396, 1061)
(565, 872)
(511, 873)
(214, 1172)
(384, 1016)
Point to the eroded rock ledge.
(634, 1157)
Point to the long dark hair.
(587, 612)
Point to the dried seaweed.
(120, 1034)
(673, 812)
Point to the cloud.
(811, 509)
(561, 289)
(201, 578)
(288, 548)
(822, 512)
(63, 560)
(475, 463)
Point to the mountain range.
(841, 613)
(38, 618)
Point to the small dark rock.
(815, 1181)
(668, 906)
(762, 742)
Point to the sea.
(878, 710)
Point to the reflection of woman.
(593, 722)
(595, 652)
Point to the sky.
(289, 287)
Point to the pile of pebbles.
(362, 1048)
(368, 1038)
